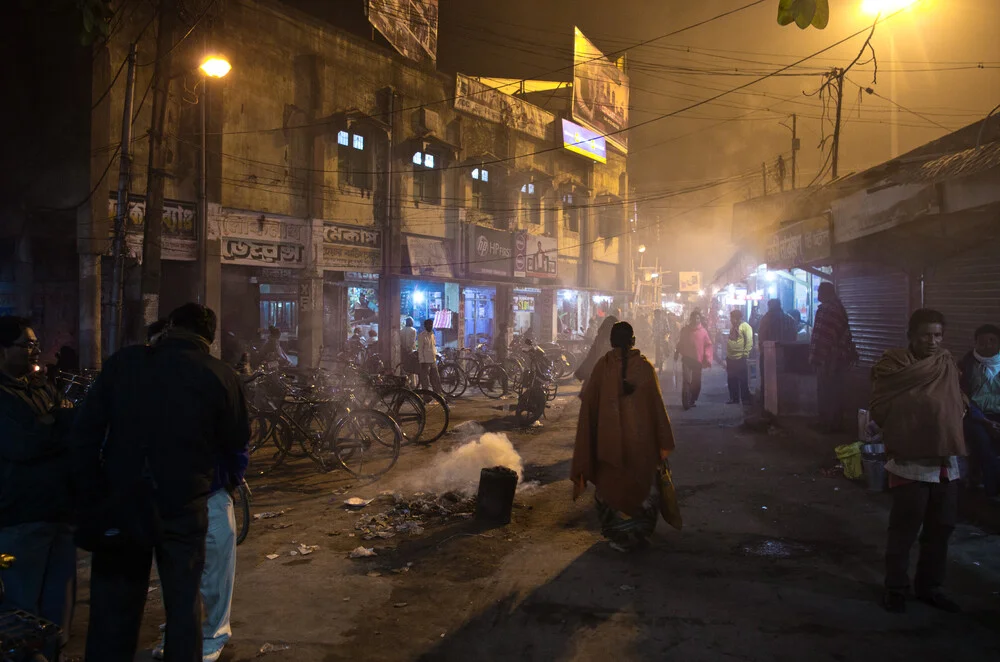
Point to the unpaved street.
(777, 561)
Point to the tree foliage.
(804, 13)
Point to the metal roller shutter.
(877, 301)
(967, 291)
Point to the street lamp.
(874, 7)
(213, 66)
(642, 248)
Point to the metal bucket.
(496, 495)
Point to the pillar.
(545, 307)
(503, 309)
(310, 319)
(213, 287)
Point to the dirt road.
(777, 561)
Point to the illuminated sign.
(584, 142)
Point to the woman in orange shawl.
(622, 437)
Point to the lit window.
(359, 141)
(528, 188)
(486, 175)
(429, 160)
(356, 165)
(475, 173)
(342, 138)
(418, 158)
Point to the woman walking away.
(601, 346)
(622, 438)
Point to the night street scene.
(461, 331)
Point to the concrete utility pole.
(839, 73)
(763, 173)
(124, 170)
(152, 227)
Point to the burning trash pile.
(411, 514)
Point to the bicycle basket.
(22, 634)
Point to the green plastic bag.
(850, 456)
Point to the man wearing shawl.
(833, 352)
(918, 403)
(622, 436)
(980, 370)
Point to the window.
(482, 190)
(426, 178)
(571, 213)
(355, 159)
(532, 204)
(609, 220)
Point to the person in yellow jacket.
(738, 348)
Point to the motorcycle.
(536, 386)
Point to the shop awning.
(429, 257)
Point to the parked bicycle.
(24, 637)
(537, 387)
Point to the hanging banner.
(689, 281)
(481, 100)
(411, 26)
(799, 244)
(584, 142)
(347, 247)
(178, 217)
(542, 253)
(490, 252)
(600, 92)
(429, 257)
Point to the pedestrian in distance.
(918, 403)
(832, 353)
(600, 347)
(623, 437)
(980, 370)
(661, 333)
(427, 355)
(501, 344)
(36, 502)
(777, 325)
(150, 437)
(695, 351)
(273, 353)
(738, 347)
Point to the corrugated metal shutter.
(877, 301)
(967, 290)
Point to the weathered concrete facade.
(314, 194)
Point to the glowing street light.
(874, 7)
(642, 248)
(216, 67)
(654, 275)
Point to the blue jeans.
(42, 580)
(219, 576)
(983, 452)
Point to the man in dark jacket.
(35, 500)
(169, 413)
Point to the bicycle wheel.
(269, 439)
(406, 408)
(453, 380)
(437, 415)
(241, 510)
(493, 381)
(364, 442)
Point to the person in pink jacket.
(695, 351)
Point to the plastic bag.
(669, 507)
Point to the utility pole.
(763, 172)
(124, 171)
(839, 73)
(152, 231)
(795, 146)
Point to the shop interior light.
(701, 293)
(771, 276)
(418, 296)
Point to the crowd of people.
(144, 469)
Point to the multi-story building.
(349, 187)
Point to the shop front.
(263, 259)
(350, 257)
(480, 315)
(489, 264)
(431, 293)
(527, 318)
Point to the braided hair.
(623, 338)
